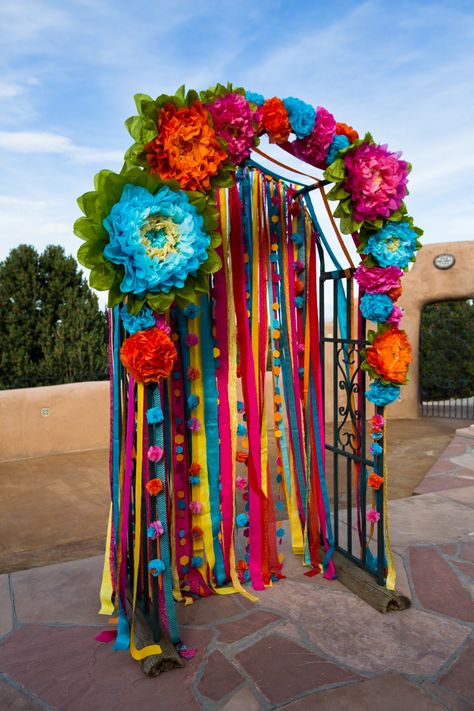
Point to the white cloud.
(13, 202)
(44, 142)
(9, 89)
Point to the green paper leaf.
(212, 264)
(116, 296)
(337, 193)
(336, 171)
(224, 179)
(88, 203)
(160, 302)
(86, 229)
(91, 253)
(134, 303)
(102, 276)
(180, 95)
(134, 126)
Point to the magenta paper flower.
(312, 149)
(193, 424)
(396, 315)
(233, 120)
(376, 181)
(195, 507)
(155, 454)
(377, 280)
(373, 516)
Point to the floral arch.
(203, 255)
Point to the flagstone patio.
(308, 643)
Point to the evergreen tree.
(51, 328)
(447, 350)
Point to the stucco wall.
(425, 284)
(77, 419)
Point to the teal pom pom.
(156, 567)
(242, 520)
(140, 322)
(196, 561)
(154, 415)
(376, 307)
(302, 116)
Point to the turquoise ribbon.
(212, 433)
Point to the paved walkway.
(307, 644)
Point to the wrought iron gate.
(349, 460)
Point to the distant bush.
(51, 327)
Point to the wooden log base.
(364, 585)
(156, 663)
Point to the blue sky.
(69, 71)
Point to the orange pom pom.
(154, 487)
(375, 481)
(345, 130)
(390, 355)
(275, 120)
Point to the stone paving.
(307, 644)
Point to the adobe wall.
(53, 419)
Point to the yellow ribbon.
(391, 574)
(106, 592)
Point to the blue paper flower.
(254, 98)
(392, 246)
(156, 567)
(143, 320)
(194, 479)
(376, 449)
(242, 520)
(241, 430)
(154, 415)
(302, 116)
(196, 561)
(299, 301)
(338, 143)
(376, 307)
(381, 394)
(192, 310)
(158, 238)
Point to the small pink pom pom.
(191, 339)
(241, 482)
(373, 516)
(195, 507)
(155, 454)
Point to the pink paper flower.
(191, 339)
(378, 280)
(376, 181)
(241, 482)
(312, 149)
(373, 516)
(155, 454)
(396, 315)
(155, 530)
(233, 120)
(194, 424)
(195, 507)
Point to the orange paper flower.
(395, 293)
(375, 481)
(342, 129)
(194, 468)
(241, 456)
(154, 487)
(186, 148)
(275, 120)
(148, 355)
(390, 355)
